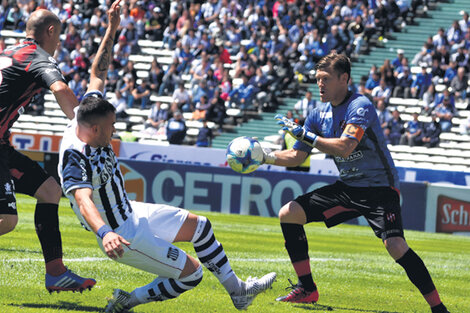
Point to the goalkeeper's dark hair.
(338, 62)
(93, 108)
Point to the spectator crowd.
(246, 54)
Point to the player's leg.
(198, 230)
(8, 213)
(387, 225)
(29, 178)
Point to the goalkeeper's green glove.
(297, 131)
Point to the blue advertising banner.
(218, 189)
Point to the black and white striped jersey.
(82, 166)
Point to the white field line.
(89, 259)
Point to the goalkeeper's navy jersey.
(25, 69)
(82, 166)
(370, 164)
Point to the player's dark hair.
(93, 108)
(338, 62)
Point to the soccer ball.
(244, 154)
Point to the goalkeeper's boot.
(253, 286)
(299, 294)
(68, 281)
(119, 302)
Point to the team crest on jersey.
(173, 254)
(52, 60)
(107, 170)
(8, 189)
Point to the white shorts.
(151, 229)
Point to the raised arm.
(99, 68)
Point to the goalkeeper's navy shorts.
(337, 203)
(18, 173)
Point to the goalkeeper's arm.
(287, 158)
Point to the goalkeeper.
(346, 126)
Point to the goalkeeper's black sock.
(297, 247)
(46, 221)
(419, 276)
(441, 308)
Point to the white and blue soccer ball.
(244, 154)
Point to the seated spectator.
(430, 134)
(36, 107)
(397, 61)
(403, 85)
(412, 132)
(460, 57)
(428, 99)
(170, 35)
(120, 103)
(383, 114)
(445, 112)
(450, 72)
(201, 108)
(156, 119)
(260, 86)
(112, 77)
(121, 52)
(459, 84)
(176, 129)
(181, 99)
(154, 29)
(394, 129)
(381, 92)
(454, 35)
(465, 126)
(201, 90)
(242, 96)
(303, 107)
(372, 82)
(74, 84)
(217, 111)
(423, 57)
(140, 95)
(155, 76)
(130, 33)
(205, 135)
(421, 83)
(169, 81)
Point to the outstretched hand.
(297, 131)
(114, 14)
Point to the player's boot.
(68, 281)
(253, 287)
(299, 294)
(119, 303)
(441, 308)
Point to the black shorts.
(18, 173)
(337, 203)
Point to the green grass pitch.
(350, 266)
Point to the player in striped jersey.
(135, 233)
(346, 126)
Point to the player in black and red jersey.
(24, 70)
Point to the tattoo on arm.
(103, 58)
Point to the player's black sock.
(419, 276)
(46, 221)
(297, 247)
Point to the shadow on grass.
(20, 250)
(62, 306)
(320, 307)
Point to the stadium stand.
(413, 26)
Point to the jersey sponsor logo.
(50, 70)
(362, 111)
(356, 155)
(173, 253)
(391, 217)
(326, 114)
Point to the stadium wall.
(199, 179)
